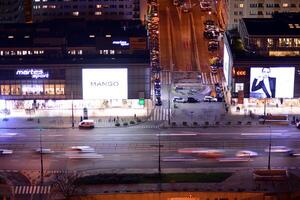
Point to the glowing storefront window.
(34, 89)
(297, 42)
(285, 42)
(284, 53)
(49, 89)
(60, 89)
(5, 90)
(15, 89)
(270, 42)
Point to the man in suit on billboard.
(266, 83)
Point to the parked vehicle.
(158, 101)
(86, 123)
(210, 99)
(179, 100)
(192, 100)
(6, 152)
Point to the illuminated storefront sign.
(241, 73)
(121, 42)
(34, 73)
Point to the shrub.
(195, 123)
(184, 123)
(217, 123)
(125, 124)
(132, 122)
(139, 120)
(173, 124)
(117, 124)
(206, 123)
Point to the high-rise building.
(238, 9)
(44, 10)
(12, 11)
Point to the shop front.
(56, 91)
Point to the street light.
(41, 157)
(270, 144)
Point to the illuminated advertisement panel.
(105, 83)
(226, 65)
(272, 82)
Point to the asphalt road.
(133, 148)
(182, 45)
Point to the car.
(205, 5)
(210, 99)
(83, 149)
(44, 151)
(158, 101)
(278, 149)
(246, 153)
(157, 92)
(209, 22)
(298, 125)
(192, 100)
(211, 153)
(6, 152)
(179, 100)
(86, 123)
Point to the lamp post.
(41, 157)
(72, 110)
(270, 144)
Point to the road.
(135, 148)
(182, 45)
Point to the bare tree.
(66, 184)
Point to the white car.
(83, 149)
(179, 100)
(44, 151)
(246, 153)
(210, 99)
(205, 5)
(6, 152)
(86, 123)
(278, 149)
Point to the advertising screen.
(105, 83)
(226, 64)
(272, 82)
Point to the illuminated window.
(258, 43)
(5, 89)
(100, 52)
(49, 89)
(105, 51)
(98, 6)
(270, 42)
(239, 87)
(60, 89)
(285, 42)
(98, 13)
(297, 42)
(111, 51)
(241, 5)
(285, 5)
(15, 89)
(76, 13)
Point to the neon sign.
(121, 42)
(34, 73)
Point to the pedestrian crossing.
(160, 114)
(206, 78)
(209, 79)
(31, 189)
(166, 77)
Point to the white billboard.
(105, 83)
(272, 82)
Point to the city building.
(261, 60)
(238, 9)
(14, 11)
(89, 9)
(98, 64)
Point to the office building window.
(5, 90)
(285, 42)
(270, 42)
